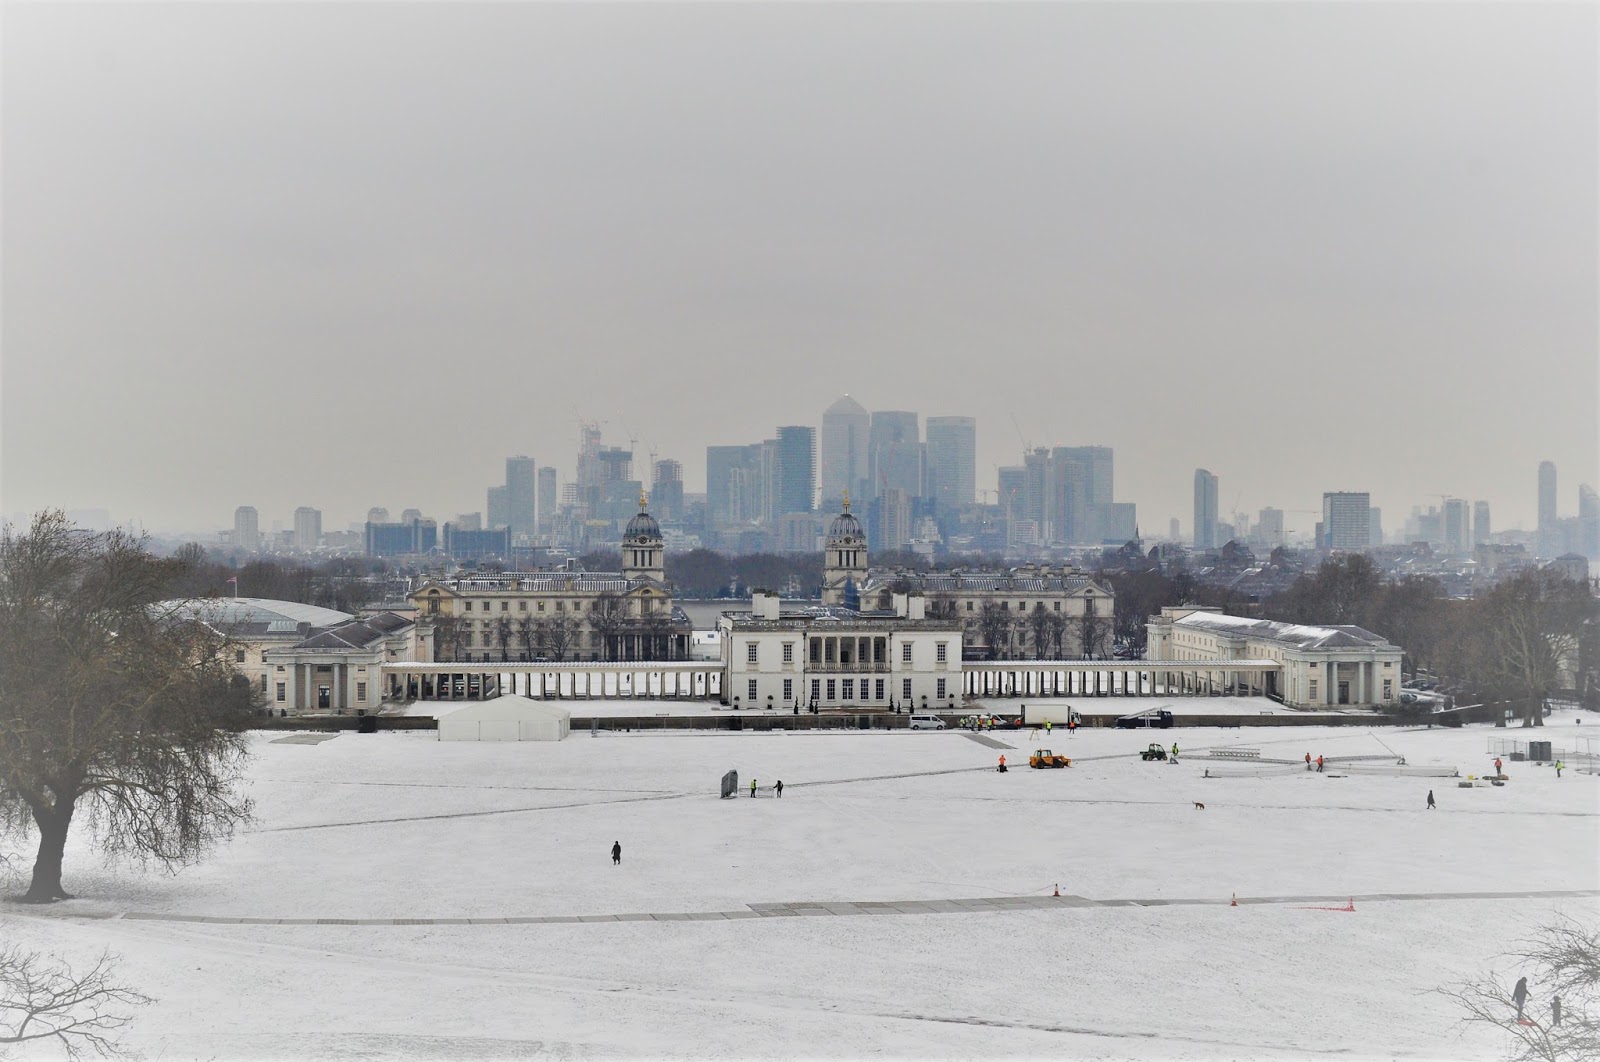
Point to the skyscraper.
(497, 511)
(1082, 495)
(1269, 527)
(307, 528)
(247, 528)
(794, 470)
(522, 495)
(666, 489)
(728, 472)
(952, 465)
(1205, 510)
(1546, 540)
(1589, 523)
(1038, 495)
(1481, 529)
(1457, 526)
(547, 500)
(894, 453)
(1346, 520)
(845, 430)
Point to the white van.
(926, 722)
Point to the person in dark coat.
(1431, 805)
(1555, 1010)
(616, 853)
(779, 788)
(1519, 995)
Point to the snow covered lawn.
(400, 826)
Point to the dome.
(845, 526)
(643, 525)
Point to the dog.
(1199, 806)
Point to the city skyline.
(1271, 238)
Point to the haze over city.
(351, 256)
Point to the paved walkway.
(836, 908)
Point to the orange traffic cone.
(1235, 902)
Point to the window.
(940, 690)
(788, 653)
(788, 690)
(522, 606)
(1005, 606)
(238, 656)
(905, 689)
(280, 667)
(1388, 689)
(1313, 688)
(1022, 606)
(263, 683)
(466, 606)
(561, 606)
(942, 653)
(361, 691)
(850, 689)
(505, 606)
(816, 689)
(541, 606)
(877, 694)
(1056, 605)
(905, 652)
(577, 606)
(283, 691)
(832, 686)
(750, 652)
(751, 691)
(969, 606)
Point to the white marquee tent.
(506, 719)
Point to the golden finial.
(644, 500)
(847, 499)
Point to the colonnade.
(679, 680)
(1114, 678)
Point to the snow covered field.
(398, 826)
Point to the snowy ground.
(400, 826)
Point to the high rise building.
(890, 519)
(247, 528)
(1013, 480)
(952, 464)
(547, 500)
(1269, 527)
(1457, 526)
(794, 479)
(733, 484)
(1589, 523)
(1038, 495)
(666, 489)
(1205, 510)
(1346, 520)
(894, 453)
(497, 510)
(522, 495)
(1375, 534)
(1481, 528)
(1548, 538)
(845, 430)
(307, 528)
(1082, 495)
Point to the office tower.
(1269, 527)
(247, 528)
(952, 464)
(1375, 526)
(307, 528)
(727, 473)
(1589, 522)
(794, 470)
(1038, 495)
(1205, 510)
(1346, 520)
(522, 495)
(894, 453)
(467, 522)
(1013, 481)
(377, 515)
(1481, 529)
(1457, 526)
(409, 515)
(845, 429)
(1174, 532)
(547, 500)
(497, 509)
(1547, 495)
(666, 490)
(889, 519)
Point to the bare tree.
(112, 704)
(994, 624)
(558, 634)
(1529, 628)
(502, 637)
(43, 1000)
(607, 616)
(1563, 960)
(446, 635)
(528, 635)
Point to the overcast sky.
(354, 255)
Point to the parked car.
(1158, 718)
(926, 722)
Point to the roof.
(1296, 635)
(533, 583)
(506, 706)
(245, 615)
(356, 634)
(978, 582)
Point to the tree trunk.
(53, 825)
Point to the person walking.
(1519, 995)
(1559, 765)
(616, 853)
(1174, 750)
(752, 787)
(1555, 1010)
(1308, 761)
(1047, 728)
(1431, 805)
(1072, 728)
(1497, 771)
(1002, 767)
(1319, 764)
(779, 788)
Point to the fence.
(1585, 750)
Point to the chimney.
(916, 607)
(764, 603)
(900, 605)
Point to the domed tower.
(844, 560)
(643, 553)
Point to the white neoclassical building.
(833, 657)
(1318, 667)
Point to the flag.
(234, 580)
